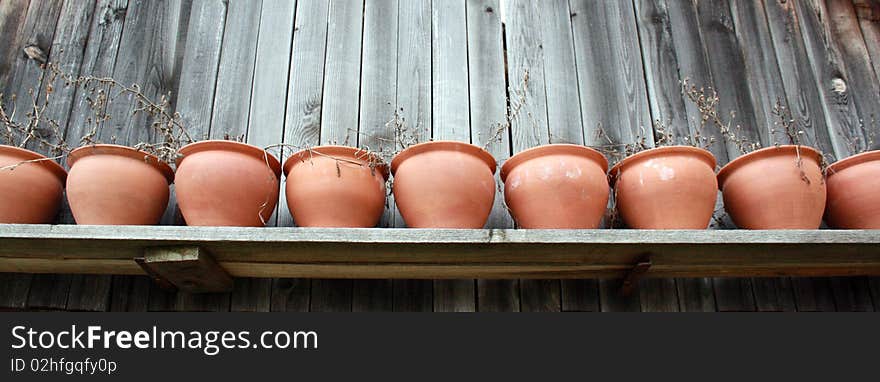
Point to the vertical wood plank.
(766, 88)
(235, 75)
(488, 103)
(378, 105)
(613, 94)
(449, 85)
(130, 294)
(339, 124)
(813, 294)
(290, 295)
(450, 88)
(302, 119)
(14, 294)
(342, 73)
(414, 102)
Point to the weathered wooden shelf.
(437, 254)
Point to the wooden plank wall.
(311, 72)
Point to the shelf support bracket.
(186, 268)
(631, 280)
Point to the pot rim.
(552, 149)
(347, 152)
(763, 153)
(123, 151)
(696, 151)
(845, 163)
(27, 155)
(465, 148)
(223, 145)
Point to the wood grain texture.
(342, 74)
(235, 76)
(488, 110)
(378, 106)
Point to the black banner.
(332, 346)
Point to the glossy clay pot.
(444, 184)
(335, 186)
(30, 193)
(854, 192)
(117, 185)
(766, 189)
(671, 187)
(556, 186)
(226, 183)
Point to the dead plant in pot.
(335, 185)
(561, 186)
(108, 183)
(31, 184)
(226, 183)
(853, 200)
(441, 184)
(777, 187)
(669, 186)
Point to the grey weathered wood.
(378, 105)
(488, 102)
(14, 293)
(49, 292)
(525, 74)
(38, 28)
(89, 293)
(396, 253)
(252, 295)
(852, 294)
(202, 302)
(342, 73)
(190, 269)
(869, 21)
(695, 295)
(837, 57)
(12, 20)
(271, 67)
(290, 295)
(339, 124)
(767, 89)
(540, 296)
(302, 121)
(130, 294)
(774, 294)
(450, 87)
(580, 295)
(201, 60)
(455, 295)
(813, 294)
(331, 296)
(235, 75)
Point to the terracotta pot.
(31, 192)
(671, 187)
(556, 186)
(766, 189)
(117, 185)
(335, 186)
(853, 196)
(444, 184)
(226, 183)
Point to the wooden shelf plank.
(447, 254)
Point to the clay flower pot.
(672, 187)
(30, 193)
(556, 186)
(117, 185)
(766, 189)
(226, 183)
(335, 186)
(854, 192)
(444, 184)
